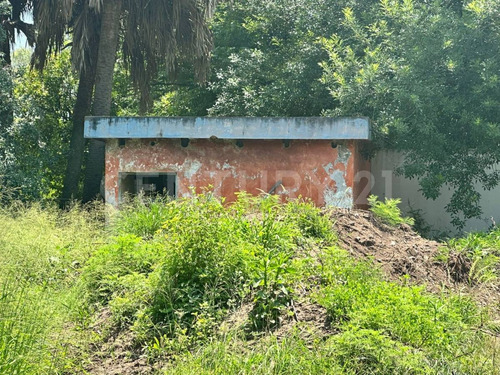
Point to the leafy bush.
(311, 221)
(183, 277)
(354, 351)
(108, 270)
(388, 212)
(203, 262)
(270, 264)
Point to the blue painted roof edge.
(357, 128)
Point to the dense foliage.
(427, 76)
(266, 57)
(35, 144)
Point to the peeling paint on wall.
(191, 167)
(344, 154)
(342, 195)
(339, 198)
(310, 169)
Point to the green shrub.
(131, 295)
(311, 221)
(203, 263)
(351, 352)
(388, 212)
(216, 254)
(274, 234)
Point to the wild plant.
(388, 211)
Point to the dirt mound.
(399, 251)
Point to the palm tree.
(12, 24)
(53, 19)
(151, 32)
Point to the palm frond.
(160, 33)
(51, 18)
(85, 27)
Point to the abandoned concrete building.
(317, 158)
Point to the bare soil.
(399, 251)
(117, 355)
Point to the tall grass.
(22, 326)
(41, 252)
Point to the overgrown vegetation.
(201, 286)
(41, 253)
(388, 211)
(203, 262)
(475, 257)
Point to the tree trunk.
(77, 143)
(5, 50)
(108, 44)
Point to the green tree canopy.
(428, 77)
(35, 144)
(266, 57)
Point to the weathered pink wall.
(311, 169)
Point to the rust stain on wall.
(312, 169)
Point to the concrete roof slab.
(228, 127)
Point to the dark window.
(149, 184)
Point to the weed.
(174, 270)
(22, 328)
(41, 254)
(356, 299)
(388, 212)
(142, 216)
(481, 251)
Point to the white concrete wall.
(387, 184)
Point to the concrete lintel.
(228, 127)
